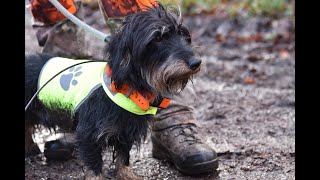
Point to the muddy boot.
(58, 150)
(175, 138)
(61, 147)
(64, 38)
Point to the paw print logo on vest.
(69, 79)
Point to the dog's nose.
(194, 63)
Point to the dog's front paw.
(126, 173)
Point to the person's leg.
(60, 37)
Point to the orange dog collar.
(142, 101)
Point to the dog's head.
(152, 51)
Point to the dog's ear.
(119, 56)
(125, 49)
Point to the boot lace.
(189, 133)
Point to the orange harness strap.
(142, 101)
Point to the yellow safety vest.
(69, 90)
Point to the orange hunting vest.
(45, 12)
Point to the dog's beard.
(175, 86)
(169, 78)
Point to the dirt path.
(244, 99)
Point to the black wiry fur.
(151, 52)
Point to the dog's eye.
(188, 39)
(186, 35)
(158, 39)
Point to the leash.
(81, 24)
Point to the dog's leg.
(123, 171)
(30, 147)
(89, 151)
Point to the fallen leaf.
(219, 38)
(249, 80)
(284, 54)
(264, 155)
(253, 38)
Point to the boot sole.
(161, 153)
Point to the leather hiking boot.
(58, 150)
(178, 141)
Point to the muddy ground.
(244, 98)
